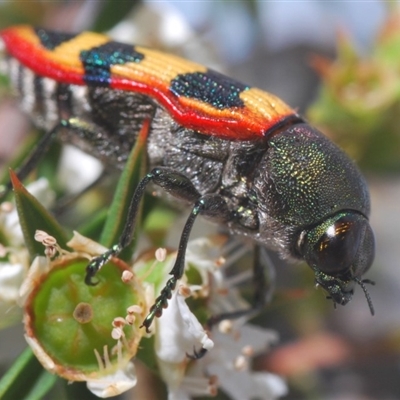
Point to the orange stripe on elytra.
(155, 68)
(151, 76)
(265, 105)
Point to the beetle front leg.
(208, 205)
(179, 186)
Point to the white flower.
(178, 335)
(227, 366)
(236, 342)
(180, 332)
(11, 276)
(231, 362)
(77, 169)
(227, 363)
(115, 383)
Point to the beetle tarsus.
(91, 271)
(197, 354)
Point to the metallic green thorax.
(313, 177)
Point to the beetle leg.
(176, 184)
(33, 158)
(180, 186)
(72, 124)
(208, 205)
(264, 277)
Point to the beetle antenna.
(367, 296)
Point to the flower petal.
(114, 384)
(179, 332)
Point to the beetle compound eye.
(334, 245)
(339, 244)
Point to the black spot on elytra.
(98, 60)
(51, 39)
(211, 87)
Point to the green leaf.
(42, 385)
(33, 216)
(94, 226)
(27, 370)
(134, 170)
(158, 221)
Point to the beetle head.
(340, 250)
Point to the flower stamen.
(49, 242)
(127, 276)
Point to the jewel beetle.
(238, 155)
